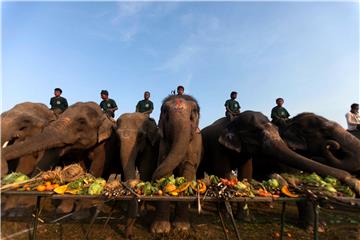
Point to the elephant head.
(179, 120)
(252, 132)
(324, 140)
(82, 126)
(23, 121)
(136, 134)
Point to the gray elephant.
(254, 146)
(179, 153)
(138, 147)
(83, 130)
(22, 121)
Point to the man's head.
(355, 108)
(180, 90)
(146, 95)
(57, 92)
(104, 94)
(233, 95)
(279, 102)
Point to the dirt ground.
(207, 225)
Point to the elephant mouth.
(10, 142)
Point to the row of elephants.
(34, 139)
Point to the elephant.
(253, 145)
(17, 124)
(138, 147)
(22, 121)
(180, 153)
(323, 140)
(82, 130)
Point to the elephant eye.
(22, 128)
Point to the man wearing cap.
(279, 114)
(145, 106)
(58, 104)
(232, 106)
(107, 104)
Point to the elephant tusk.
(5, 144)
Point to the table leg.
(316, 220)
(282, 220)
(35, 221)
(229, 210)
(222, 221)
(111, 212)
(97, 211)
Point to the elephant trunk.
(38, 143)
(180, 136)
(128, 154)
(278, 147)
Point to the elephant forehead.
(125, 133)
(179, 104)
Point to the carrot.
(287, 193)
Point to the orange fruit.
(40, 188)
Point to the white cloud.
(182, 57)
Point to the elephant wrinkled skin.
(251, 144)
(82, 132)
(179, 153)
(138, 147)
(24, 120)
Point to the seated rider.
(180, 90)
(107, 104)
(232, 106)
(145, 106)
(279, 114)
(58, 104)
(353, 120)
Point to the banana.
(183, 187)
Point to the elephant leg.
(181, 221)
(131, 218)
(48, 160)
(82, 209)
(65, 206)
(306, 215)
(161, 223)
(243, 211)
(26, 164)
(98, 158)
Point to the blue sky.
(305, 52)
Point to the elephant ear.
(293, 138)
(152, 132)
(105, 129)
(231, 141)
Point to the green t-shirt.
(279, 112)
(58, 103)
(144, 106)
(233, 105)
(106, 104)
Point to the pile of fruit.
(169, 186)
(210, 186)
(73, 180)
(317, 186)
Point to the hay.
(71, 173)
